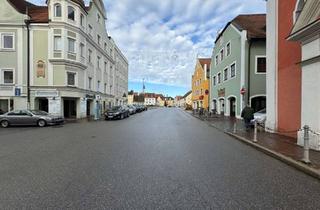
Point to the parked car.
(260, 116)
(138, 108)
(117, 112)
(29, 117)
(132, 109)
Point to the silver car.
(29, 117)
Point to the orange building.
(200, 84)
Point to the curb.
(287, 160)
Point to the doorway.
(232, 106)
(43, 104)
(221, 108)
(70, 108)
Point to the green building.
(238, 66)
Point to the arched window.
(57, 10)
(298, 9)
(71, 13)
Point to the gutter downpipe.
(27, 22)
(249, 70)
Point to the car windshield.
(38, 112)
(115, 108)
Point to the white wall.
(272, 69)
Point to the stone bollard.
(255, 132)
(306, 148)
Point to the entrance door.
(88, 108)
(222, 106)
(232, 103)
(43, 104)
(70, 108)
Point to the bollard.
(235, 126)
(255, 132)
(306, 145)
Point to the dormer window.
(57, 10)
(71, 13)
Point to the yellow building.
(200, 84)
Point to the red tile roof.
(38, 14)
(255, 24)
(20, 5)
(204, 61)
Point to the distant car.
(139, 108)
(117, 112)
(132, 109)
(29, 117)
(260, 116)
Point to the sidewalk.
(281, 147)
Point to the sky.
(162, 39)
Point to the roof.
(37, 14)
(204, 61)
(188, 93)
(150, 95)
(81, 3)
(254, 24)
(309, 15)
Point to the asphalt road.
(159, 159)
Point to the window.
(90, 56)
(225, 74)
(98, 39)
(57, 10)
(105, 87)
(105, 66)
(71, 45)
(98, 86)
(221, 54)
(57, 43)
(219, 78)
(105, 46)
(90, 30)
(228, 49)
(7, 41)
(70, 13)
(261, 66)
(71, 78)
(214, 80)
(7, 75)
(89, 83)
(217, 60)
(82, 49)
(111, 52)
(81, 20)
(98, 61)
(233, 70)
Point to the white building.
(150, 99)
(307, 31)
(76, 69)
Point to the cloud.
(162, 39)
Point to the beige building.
(76, 69)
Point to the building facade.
(283, 69)
(76, 69)
(306, 31)
(238, 66)
(150, 99)
(200, 84)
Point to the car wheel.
(5, 123)
(41, 123)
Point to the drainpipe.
(27, 22)
(249, 69)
